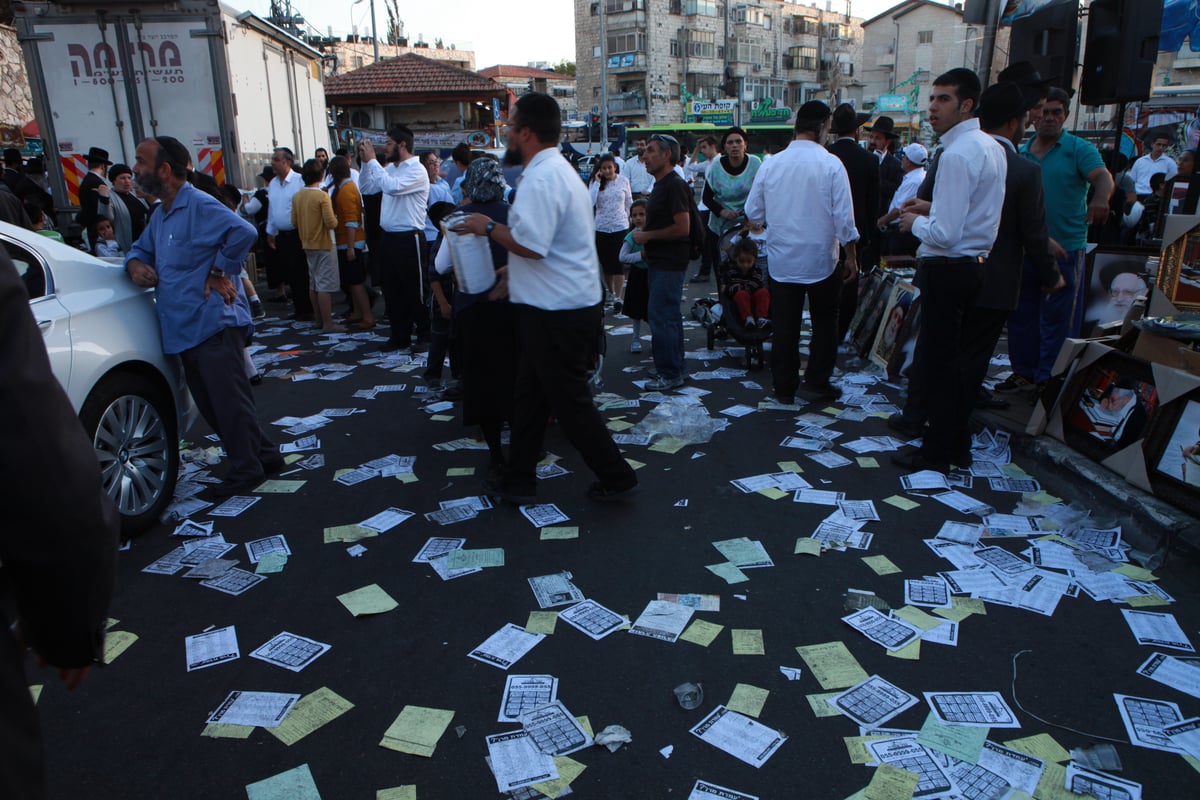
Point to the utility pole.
(374, 32)
(603, 78)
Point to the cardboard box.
(1168, 352)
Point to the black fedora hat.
(884, 125)
(267, 173)
(847, 120)
(98, 155)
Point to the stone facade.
(358, 51)
(16, 102)
(663, 52)
(910, 44)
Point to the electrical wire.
(1017, 703)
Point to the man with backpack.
(803, 195)
(666, 239)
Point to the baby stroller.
(720, 319)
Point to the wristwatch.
(487, 229)
(216, 273)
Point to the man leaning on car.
(193, 250)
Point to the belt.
(409, 232)
(937, 260)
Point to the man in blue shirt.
(192, 252)
(1042, 322)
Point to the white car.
(102, 335)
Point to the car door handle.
(45, 324)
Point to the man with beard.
(282, 236)
(404, 183)
(553, 279)
(193, 251)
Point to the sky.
(499, 33)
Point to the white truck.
(109, 73)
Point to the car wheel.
(131, 422)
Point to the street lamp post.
(374, 32)
(603, 80)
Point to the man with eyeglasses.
(553, 279)
(1042, 322)
(665, 241)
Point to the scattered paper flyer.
(555, 590)
(904, 752)
(972, 709)
(699, 602)
(523, 693)
(927, 592)
(542, 515)
(385, 520)
(592, 618)
(873, 702)
(506, 646)
(1081, 780)
(449, 516)
(258, 709)
(437, 546)
(1171, 671)
(211, 648)
(1022, 771)
(742, 737)
(416, 730)
(662, 620)
(1145, 719)
(892, 634)
(234, 581)
(290, 651)
(516, 762)
(1160, 630)
(271, 544)
(234, 506)
(554, 730)
(703, 790)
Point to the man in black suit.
(863, 171)
(21, 184)
(58, 544)
(94, 190)
(883, 140)
(1022, 234)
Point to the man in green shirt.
(1042, 321)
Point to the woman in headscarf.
(727, 182)
(485, 329)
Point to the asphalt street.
(134, 730)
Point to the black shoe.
(914, 461)
(698, 278)
(256, 309)
(604, 494)
(618, 307)
(912, 430)
(988, 400)
(393, 346)
(302, 317)
(274, 466)
(500, 491)
(821, 391)
(256, 380)
(963, 460)
(229, 488)
(785, 399)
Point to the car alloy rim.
(131, 442)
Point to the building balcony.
(626, 104)
(625, 63)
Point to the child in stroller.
(748, 324)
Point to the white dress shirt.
(438, 193)
(1146, 166)
(907, 189)
(640, 181)
(803, 194)
(552, 216)
(280, 192)
(968, 195)
(405, 188)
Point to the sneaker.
(1014, 383)
(635, 346)
(256, 309)
(762, 322)
(660, 384)
(618, 307)
(698, 278)
(500, 491)
(749, 323)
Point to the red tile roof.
(411, 78)
(511, 71)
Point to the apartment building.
(769, 56)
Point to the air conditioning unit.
(757, 67)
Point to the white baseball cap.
(915, 153)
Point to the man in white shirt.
(640, 180)
(282, 236)
(553, 278)
(803, 196)
(697, 171)
(404, 183)
(1156, 162)
(956, 237)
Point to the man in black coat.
(22, 185)
(58, 544)
(863, 170)
(883, 140)
(94, 190)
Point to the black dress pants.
(399, 264)
(294, 265)
(787, 313)
(555, 353)
(948, 294)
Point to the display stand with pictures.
(1173, 451)
(895, 312)
(1179, 268)
(1116, 409)
(1116, 277)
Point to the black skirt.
(487, 338)
(637, 293)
